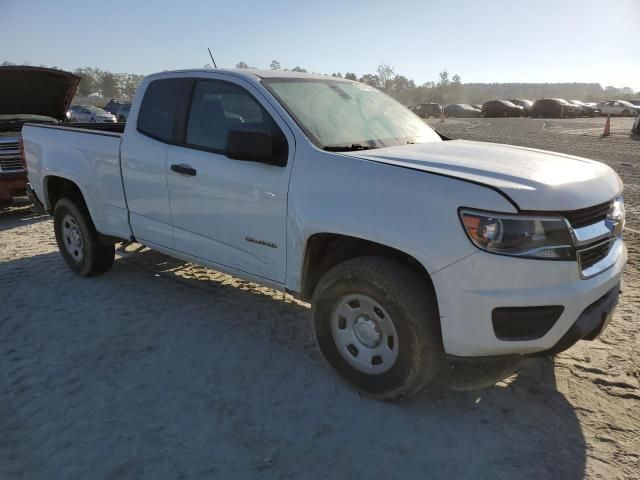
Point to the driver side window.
(216, 108)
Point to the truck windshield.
(346, 115)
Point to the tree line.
(447, 88)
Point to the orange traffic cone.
(607, 127)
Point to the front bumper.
(469, 290)
(591, 322)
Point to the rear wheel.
(78, 240)
(626, 113)
(376, 323)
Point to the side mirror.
(253, 144)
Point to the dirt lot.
(161, 369)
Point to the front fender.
(412, 211)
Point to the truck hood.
(36, 91)
(533, 179)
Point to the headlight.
(616, 217)
(545, 238)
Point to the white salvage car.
(619, 108)
(89, 113)
(410, 247)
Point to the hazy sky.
(482, 41)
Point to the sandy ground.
(162, 369)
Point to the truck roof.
(253, 74)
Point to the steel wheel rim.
(72, 238)
(364, 334)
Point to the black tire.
(96, 258)
(409, 300)
(626, 113)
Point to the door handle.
(184, 169)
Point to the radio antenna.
(211, 55)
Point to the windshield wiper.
(347, 148)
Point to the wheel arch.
(325, 250)
(57, 187)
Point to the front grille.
(587, 216)
(592, 255)
(10, 156)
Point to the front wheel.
(78, 240)
(376, 323)
(626, 113)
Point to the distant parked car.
(554, 108)
(526, 104)
(618, 107)
(113, 106)
(477, 106)
(426, 110)
(585, 109)
(501, 108)
(636, 126)
(123, 112)
(89, 113)
(461, 110)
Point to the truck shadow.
(19, 215)
(138, 371)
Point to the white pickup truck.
(409, 246)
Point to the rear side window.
(157, 117)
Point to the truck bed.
(87, 154)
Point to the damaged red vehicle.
(33, 95)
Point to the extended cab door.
(144, 160)
(228, 211)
